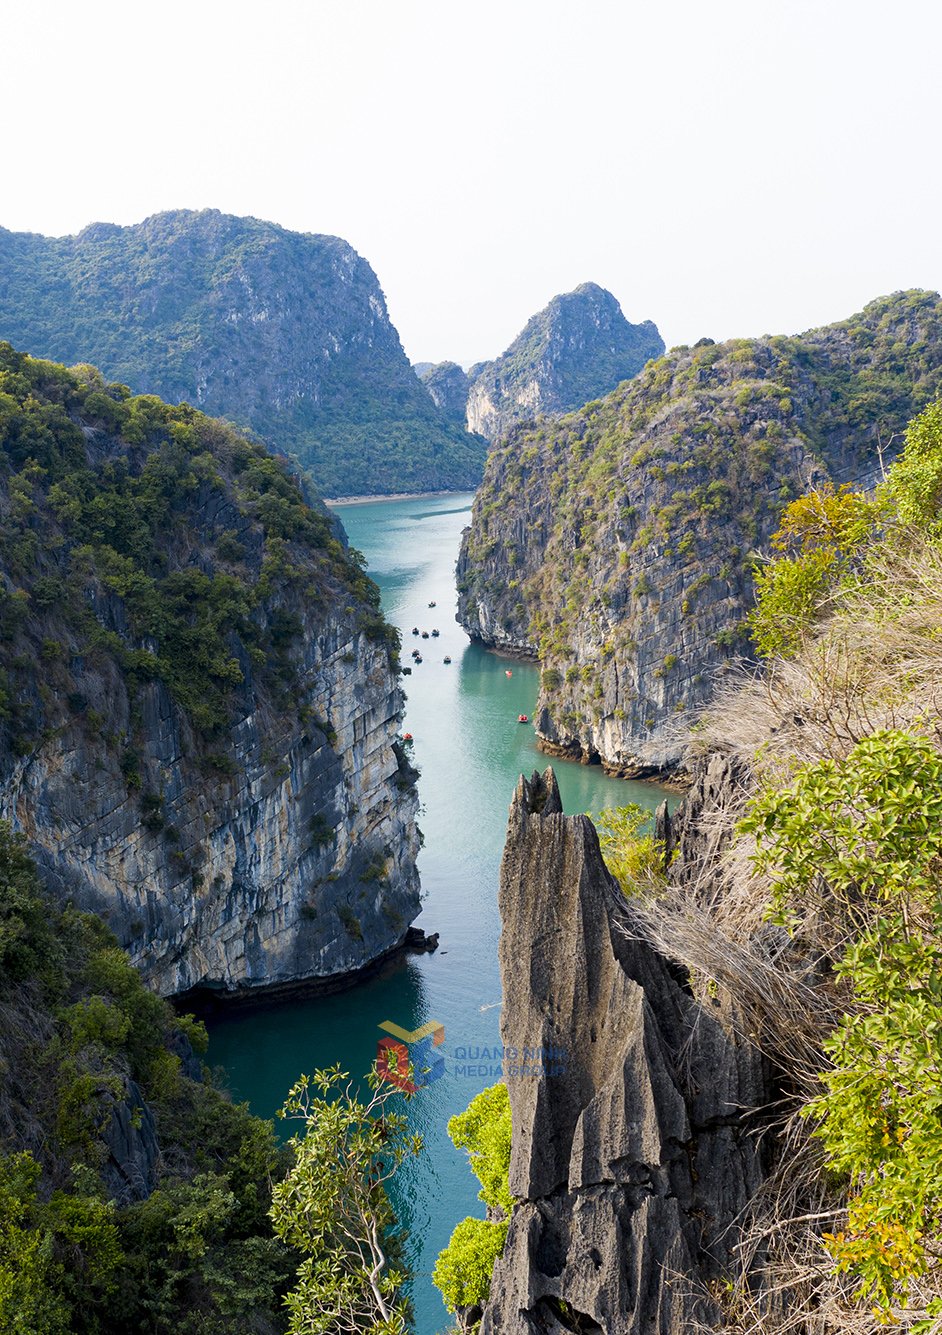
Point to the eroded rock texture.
(632, 1162)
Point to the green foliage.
(856, 845)
(483, 1130)
(145, 302)
(52, 1254)
(789, 595)
(463, 1270)
(914, 484)
(322, 831)
(841, 521)
(351, 923)
(197, 1257)
(826, 536)
(821, 537)
(125, 524)
(27, 944)
(333, 1208)
(632, 854)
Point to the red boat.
(522, 718)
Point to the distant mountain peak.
(284, 332)
(577, 348)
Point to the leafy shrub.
(463, 1270)
(858, 844)
(632, 854)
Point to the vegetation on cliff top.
(157, 539)
(282, 332)
(577, 348)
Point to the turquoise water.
(471, 750)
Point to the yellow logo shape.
(414, 1035)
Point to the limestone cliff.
(283, 332)
(616, 544)
(577, 348)
(633, 1146)
(200, 701)
(448, 385)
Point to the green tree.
(632, 854)
(854, 847)
(914, 483)
(463, 1270)
(333, 1206)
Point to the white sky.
(725, 168)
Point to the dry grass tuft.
(875, 663)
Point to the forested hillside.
(280, 331)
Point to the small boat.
(425, 635)
(407, 672)
(407, 736)
(418, 658)
(507, 672)
(434, 634)
(432, 603)
(446, 659)
(415, 630)
(522, 718)
(415, 653)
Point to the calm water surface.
(471, 750)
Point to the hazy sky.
(725, 168)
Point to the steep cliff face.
(577, 348)
(616, 544)
(207, 755)
(448, 385)
(632, 1151)
(283, 332)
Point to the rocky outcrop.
(448, 385)
(617, 544)
(298, 865)
(209, 757)
(577, 348)
(132, 1152)
(633, 1147)
(283, 332)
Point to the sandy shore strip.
(393, 496)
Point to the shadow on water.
(471, 751)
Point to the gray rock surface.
(448, 385)
(579, 347)
(632, 1160)
(243, 896)
(269, 842)
(133, 1154)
